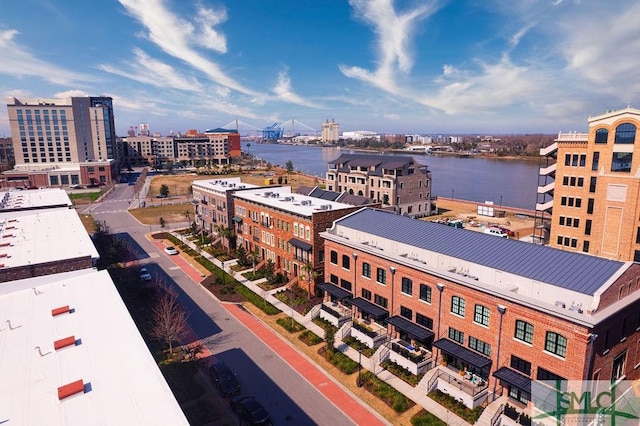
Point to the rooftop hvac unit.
(241, 187)
(560, 304)
(268, 194)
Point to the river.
(505, 182)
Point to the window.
(574, 160)
(366, 270)
(524, 331)
(556, 344)
(567, 159)
(621, 161)
(587, 228)
(602, 135)
(548, 375)
(480, 346)
(334, 279)
(592, 184)
(366, 294)
(596, 161)
(425, 293)
(590, 203)
(334, 257)
(565, 180)
(456, 335)
(345, 284)
(406, 313)
(457, 305)
(381, 276)
(583, 160)
(407, 286)
(346, 261)
(617, 372)
(625, 133)
(520, 365)
(585, 248)
(379, 300)
(519, 395)
(424, 321)
(481, 315)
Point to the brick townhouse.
(285, 228)
(499, 313)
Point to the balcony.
(471, 390)
(547, 189)
(548, 206)
(256, 239)
(372, 335)
(413, 359)
(336, 314)
(548, 171)
(548, 150)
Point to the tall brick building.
(285, 228)
(499, 313)
(397, 182)
(589, 192)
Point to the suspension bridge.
(276, 130)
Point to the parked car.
(250, 410)
(171, 250)
(496, 231)
(224, 379)
(161, 196)
(145, 275)
(75, 186)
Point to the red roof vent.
(63, 343)
(60, 310)
(70, 389)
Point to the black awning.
(462, 353)
(236, 219)
(514, 378)
(334, 290)
(411, 328)
(300, 244)
(368, 307)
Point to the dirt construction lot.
(521, 225)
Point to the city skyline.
(389, 66)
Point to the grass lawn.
(84, 197)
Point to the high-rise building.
(589, 191)
(330, 131)
(63, 134)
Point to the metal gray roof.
(367, 160)
(574, 271)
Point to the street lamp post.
(224, 279)
(355, 274)
(440, 288)
(359, 382)
(393, 274)
(501, 310)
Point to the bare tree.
(168, 317)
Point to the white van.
(496, 231)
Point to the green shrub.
(324, 324)
(289, 324)
(455, 406)
(387, 393)
(341, 361)
(402, 373)
(359, 346)
(425, 418)
(258, 301)
(310, 338)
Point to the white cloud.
(207, 35)
(285, 93)
(393, 38)
(17, 61)
(152, 71)
(178, 38)
(71, 93)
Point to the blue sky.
(404, 66)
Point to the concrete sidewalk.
(418, 394)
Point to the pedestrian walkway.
(418, 394)
(332, 390)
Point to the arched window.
(602, 135)
(625, 133)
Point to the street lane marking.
(173, 268)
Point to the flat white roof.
(282, 198)
(122, 383)
(222, 185)
(33, 199)
(39, 236)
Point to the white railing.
(547, 188)
(572, 136)
(546, 171)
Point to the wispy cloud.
(148, 70)
(284, 92)
(180, 39)
(393, 32)
(18, 61)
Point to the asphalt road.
(287, 396)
